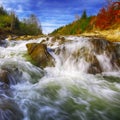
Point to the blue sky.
(53, 13)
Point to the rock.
(111, 50)
(4, 76)
(2, 37)
(23, 37)
(12, 37)
(3, 43)
(10, 76)
(60, 40)
(94, 67)
(98, 47)
(40, 55)
(9, 110)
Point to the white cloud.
(48, 27)
(47, 30)
(20, 9)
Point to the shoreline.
(112, 35)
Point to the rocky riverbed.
(60, 78)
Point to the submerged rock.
(9, 110)
(40, 55)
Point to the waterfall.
(84, 84)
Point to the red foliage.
(108, 16)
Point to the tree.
(77, 17)
(31, 25)
(35, 24)
(84, 15)
(2, 11)
(108, 16)
(14, 22)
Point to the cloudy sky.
(53, 13)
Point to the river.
(63, 92)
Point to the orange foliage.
(108, 16)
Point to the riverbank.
(112, 35)
(23, 37)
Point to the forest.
(10, 24)
(107, 18)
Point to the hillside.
(11, 25)
(105, 24)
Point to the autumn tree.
(108, 16)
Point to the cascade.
(84, 84)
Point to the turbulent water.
(63, 92)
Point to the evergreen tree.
(84, 15)
(2, 11)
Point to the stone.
(40, 54)
(94, 67)
(3, 43)
(4, 76)
(9, 110)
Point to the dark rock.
(2, 37)
(94, 67)
(10, 76)
(4, 76)
(112, 50)
(98, 46)
(3, 43)
(9, 110)
(60, 40)
(40, 55)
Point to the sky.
(53, 14)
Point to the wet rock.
(9, 110)
(10, 76)
(23, 37)
(94, 67)
(40, 54)
(3, 43)
(98, 47)
(4, 76)
(60, 40)
(2, 36)
(111, 50)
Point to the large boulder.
(40, 55)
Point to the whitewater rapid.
(63, 92)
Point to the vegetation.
(10, 24)
(107, 18)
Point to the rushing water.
(63, 92)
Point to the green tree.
(14, 22)
(3, 11)
(84, 15)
